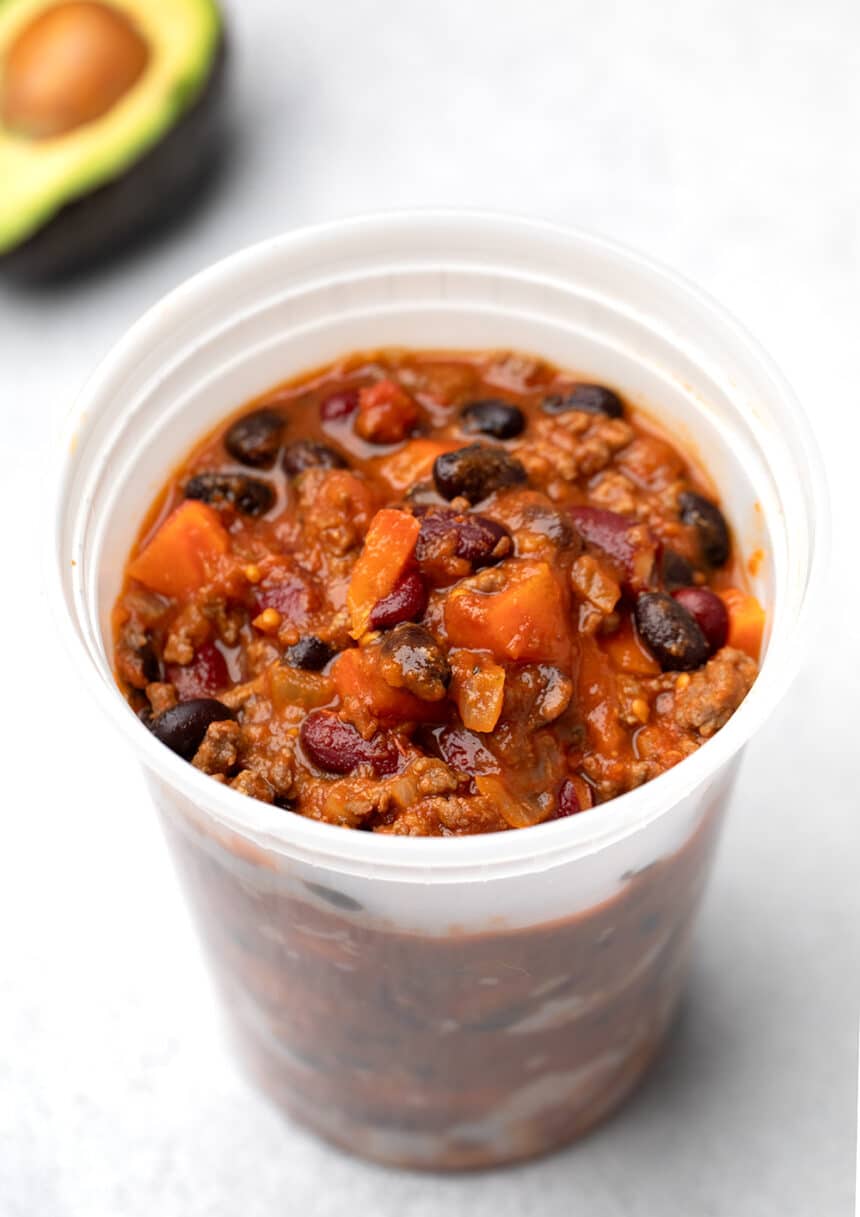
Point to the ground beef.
(713, 694)
(219, 752)
(161, 696)
(251, 783)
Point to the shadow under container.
(463, 1002)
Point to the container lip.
(428, 860)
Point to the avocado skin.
(149, 194)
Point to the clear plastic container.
(463, 1002)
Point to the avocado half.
(111, 116)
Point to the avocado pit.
(68, 67)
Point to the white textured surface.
(720, 137)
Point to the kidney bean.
(183, 726)
(412, 659)
(590, 399)
(339, 405)
(310, 653)
(336, 747)
(493, 417)
(475, 472)
(475, 538)
(675, 570)
(205, 675)
(311, 454)
(255, 438)
(709, 613)
(407, 601)
(568, 803)
(710, 523)
(251, 496)
(670, 632)
(624, 540)
(289, 593)
(464, 751)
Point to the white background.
(721, 137)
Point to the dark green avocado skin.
(154, 190)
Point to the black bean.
(493, 417)
(183, 726)
(310, 653)
(255, 438)
(476, 472)
(251, 496)
(590, 399)
(150, 664)
(670, 632)
(412, 659)
(311, 454)
(675, 570)
(420, 496)
(710, 523)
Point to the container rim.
(427, 860)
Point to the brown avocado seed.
(68, 67)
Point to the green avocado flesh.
(40, 175)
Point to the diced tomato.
(386, 413)
(184, 551)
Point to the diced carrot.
(628, 654)
(388, 547)
(746, 621)
(526, 618)
(478, 689)
(366, 695)
(413, 462)
(184, 551)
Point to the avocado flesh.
(41, 177)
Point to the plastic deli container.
(461, 1002)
